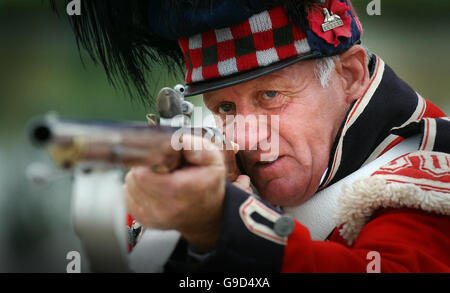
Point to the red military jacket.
(402, 212)
(397, 220)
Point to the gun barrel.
(117, 144)
(40, 133)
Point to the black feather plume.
(115, 33)
(297, 10)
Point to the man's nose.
(248, 131)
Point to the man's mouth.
(270, 164)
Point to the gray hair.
(325, 67)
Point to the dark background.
(40, 70)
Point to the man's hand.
(243, 182)
(188, 200)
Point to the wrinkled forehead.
(289, 77)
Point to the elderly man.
(339, 107)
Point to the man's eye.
(226, 108)
(269, 95)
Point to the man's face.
(309, 119)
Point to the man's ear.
(353, 72)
